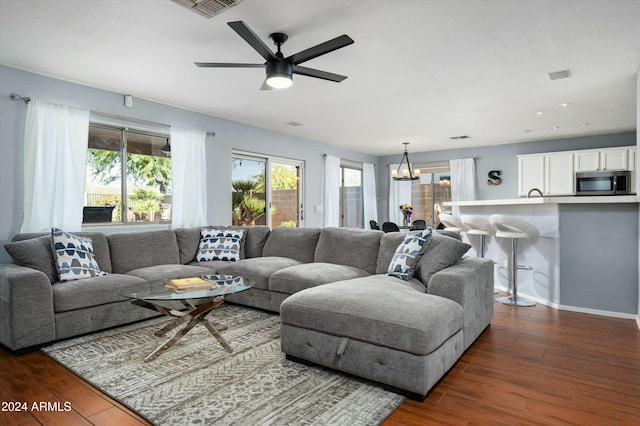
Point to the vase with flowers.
(406, 210)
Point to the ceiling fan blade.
(324, 75)
(254, 41)
(226, 65)
(320, 49)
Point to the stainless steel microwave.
(608, 182)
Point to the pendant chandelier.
(405, 172)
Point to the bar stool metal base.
(515, 301)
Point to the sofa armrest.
(470, 284)
(26, 307)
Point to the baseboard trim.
(578, 309)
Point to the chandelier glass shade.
(404, 171)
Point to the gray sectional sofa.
(338, 307)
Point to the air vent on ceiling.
(207, 8)
(294, 123)
(455, 138)
(559, 75)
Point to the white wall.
(638, 179)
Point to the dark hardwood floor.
(531, 366)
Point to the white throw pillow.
(74, 256)
(219, 244)
(407, 255)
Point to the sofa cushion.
(378, 309)
(135, 250)
(441, 253)
(158, 272)
(34, 253)
(407, 255)
(89, 292)
(213, 265)
(253, 241)
(295, 278)
(347, 246)
(219, 244)
(257, 270)
(294, 243)
(33, 250)
(188, 240)
(74, 256)
(389, 242)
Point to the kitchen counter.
(586, 257)
(615, 199)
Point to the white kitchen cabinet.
(558, 174)
(614, 159)
(586, 161)
(589, 160)
(530, 173)
(633, 152)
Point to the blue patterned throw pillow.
(219, 244)
(74, 256)
(407, 255)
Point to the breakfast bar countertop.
(614, 199)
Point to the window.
(351, 207)
(143, 180)
(429, 192)
(259, 182)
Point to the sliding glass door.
(351, 206)
(266, 191)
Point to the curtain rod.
(26, 100)
(16, 97)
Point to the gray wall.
(496, 157)
(229, 135)
(598, 256)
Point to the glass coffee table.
(153, 294)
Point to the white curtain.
(331, 190)
(399, 193)
(189, 177)
(369, 193)
(55, 164)
(463, 181)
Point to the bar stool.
(515, 229)
(477, 225)
(453, 223)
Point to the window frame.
(125, 126)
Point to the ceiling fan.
(280, 69)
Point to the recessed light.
(541, 112)
(555, 127)
(527, 131)
(584, 124)
(565, 104)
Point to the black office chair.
(374, 225)
(390, 227)
(418, 224)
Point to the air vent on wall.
(207, 8)
(558, 75)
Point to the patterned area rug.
(197, 382)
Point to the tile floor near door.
(531, 366)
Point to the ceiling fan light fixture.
(279, 75)
(279, 81)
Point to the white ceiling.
(420, 70)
